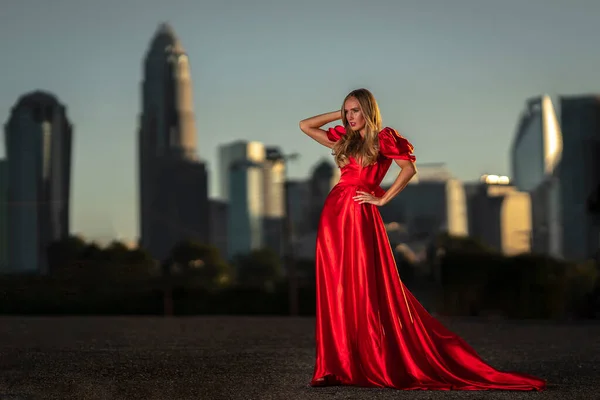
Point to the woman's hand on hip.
(364, 197)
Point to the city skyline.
(444, 109)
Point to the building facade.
(173, 191)
(535, 157)
(432, 204)
(553, 158)
(253, 183)
(275, 199)
(242, 186)
(38, 142)
(500, 216)
(241, 150)
(299, 202)
(580, 175)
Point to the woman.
(370, 330)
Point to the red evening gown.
(370, 330)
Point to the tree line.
(467, 278)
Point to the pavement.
(257, 358)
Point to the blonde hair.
(364, 150)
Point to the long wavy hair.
(364, 150)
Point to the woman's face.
(354, 114)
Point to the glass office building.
(553, 159)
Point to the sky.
(452, 76)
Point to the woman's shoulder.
(393, 145)
(388, 132)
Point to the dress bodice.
(392, 146)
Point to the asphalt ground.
(257, 358)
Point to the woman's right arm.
(312, 127)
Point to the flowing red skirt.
(370, 330)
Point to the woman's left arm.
(408, 170)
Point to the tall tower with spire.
(173, 182)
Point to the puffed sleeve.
(395, 146)
(334, 134)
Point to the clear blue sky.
(451, 75)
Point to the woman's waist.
(367, 186)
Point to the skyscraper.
(233, 153)
(579, 174)
(38, 148)
(253, 183)
(536, 154)
(554, 158)
(275, 197)
(243, 186)
(173, 182)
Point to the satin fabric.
(370, 330)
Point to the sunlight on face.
(354, 114)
